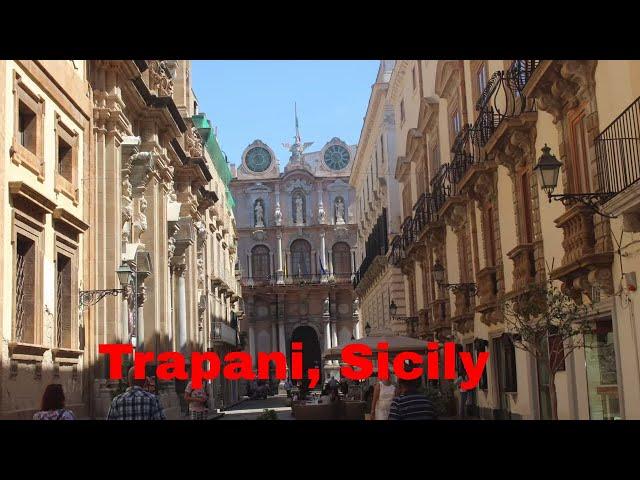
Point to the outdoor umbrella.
(395, 342)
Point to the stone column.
(140, 319)
(327, 333)
(124, 318)
(249, 268)
(282, 338)
(323, 256)
(252, 345)
(279, 274)
(334, 334)
(181, 307)
(330, 262)
(274, 336)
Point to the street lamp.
(548, 168)
(437, 271)
(91, 297)
(367, 329)
(125, 275)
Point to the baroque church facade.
(296, 248)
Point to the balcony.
(221, 332)
(524, 266)
(465, 155)
(440, 188)
(581, 256)
(301, 279)
(463, 318)
(397, 251)
(487, 289)
(506, 117)
(438, 312)
(618, 166)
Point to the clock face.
(258, 159)
(336, 157)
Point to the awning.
(396, 344)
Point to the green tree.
(548, 324)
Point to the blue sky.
(250, 100)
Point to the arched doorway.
(311, 353)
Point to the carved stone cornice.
(560, 85)
(428, 115)
(463, 323)
(193, 143)
(513, 143)
(403, 167)
(160, 78)
(454, 212)
(436, 234)
(377, 267)
(480, 182)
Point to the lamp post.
(548, 168)
(91, 297)
(438, 276)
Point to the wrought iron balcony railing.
(502, 98)
(618, 152)
(303, 278)
(222, 332)
(440, 188)
(407, 232)
(521, 71)
(397, 252)
(465, 155)
(422, 214)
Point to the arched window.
(300, 258)
(341, 254)
(260, 262)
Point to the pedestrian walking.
(197, 400)
(52, 407)
(410, 404)
(288, 386)
(383, 394)
(464, 395)
(136, 403)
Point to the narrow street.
(251, 409)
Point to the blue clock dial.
(258, 159)
(336, 157)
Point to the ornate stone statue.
(322, 216)
(278, 215)
(339, 211)
(259, 214)
(356, 305)
(299, 218)
(325, 306)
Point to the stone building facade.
(471, 201)
(111, 167)
(378, 283)
(296, 247)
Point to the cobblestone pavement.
(251, 409)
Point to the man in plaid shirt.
(136, 403)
